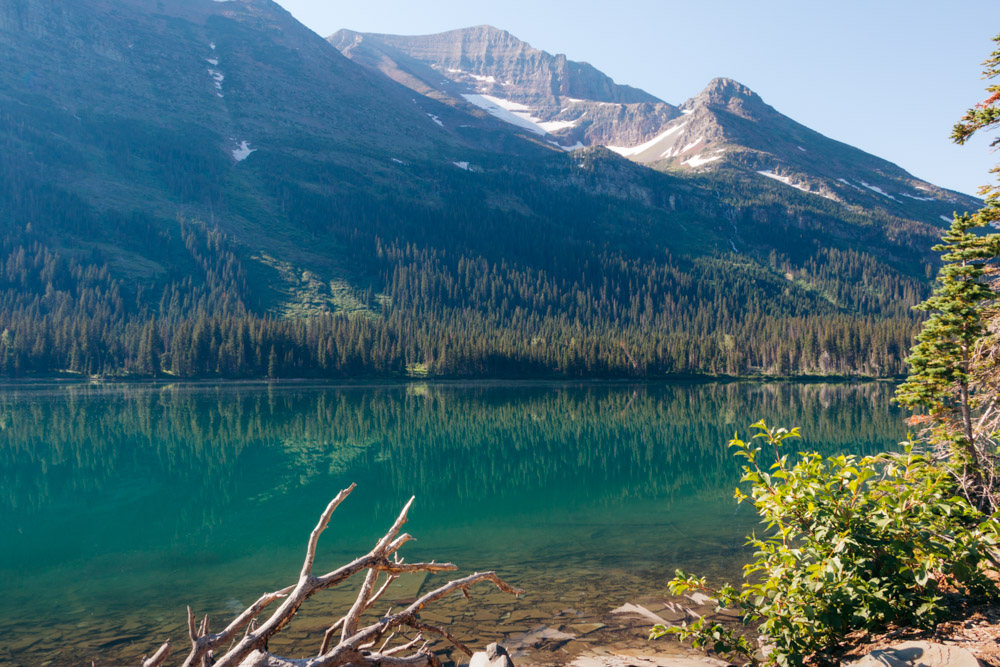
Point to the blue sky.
(888, 77)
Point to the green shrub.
(850, 543)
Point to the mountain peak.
(495, 62)
(487, 29)
(729, 95)
(727, 88)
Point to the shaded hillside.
(203, 188)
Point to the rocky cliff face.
(498, 62)
(571, 104)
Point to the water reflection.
(136, 500)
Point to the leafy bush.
(851, 543)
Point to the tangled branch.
(357, 645)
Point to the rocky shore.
(588, 620)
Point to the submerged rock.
(494, 656)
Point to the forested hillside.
(304, 217)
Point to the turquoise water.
(119, 505)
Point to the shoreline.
(363, 382)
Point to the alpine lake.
(121, 504)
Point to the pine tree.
(272, 364)
(940, 361)
(943, 360)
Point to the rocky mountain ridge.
(572, 105)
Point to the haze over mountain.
(573, 105)
(202, 188)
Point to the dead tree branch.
(356, 643)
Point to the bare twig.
(157, 658)
(350, 625)
(318, 530)
(417, 625)
(356, 643)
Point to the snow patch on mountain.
(477, 77)
(518, 114)
(918, 198)
(505, 111)
(626, 151)
(556, 125)
(242, 151)
(217, 77)
(698, 160)
(436, 119)
(946, 218)
(692, 144)
(788, 181)
(462, 165)
(784, 179)
(577, 100)
(879, 190)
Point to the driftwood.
(396, 640)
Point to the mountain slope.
(212, 110)
(198, 188)
(727, 125)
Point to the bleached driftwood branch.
(371, 645)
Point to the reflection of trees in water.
(609, 444)
(478, 442)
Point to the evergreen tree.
(272, 364)
(940, 361)
(943, 364)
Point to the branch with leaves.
(849, 544)
(985, 114)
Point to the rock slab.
(919, 654)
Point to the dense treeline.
(586, 266)
(463, 316)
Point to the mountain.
(195, 188)
(573, 105)
(728, 125)
(231, 113)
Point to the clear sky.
(890, 77)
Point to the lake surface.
(120, 505)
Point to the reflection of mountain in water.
(479, 442)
